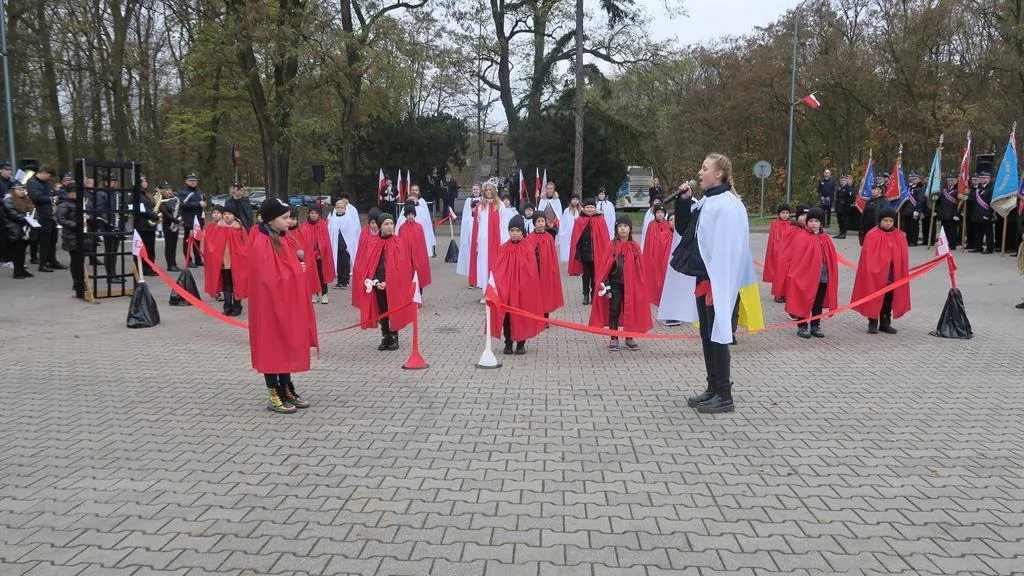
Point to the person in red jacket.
(411, 233)
(516, 279)
(383, 274)
(778, 239)
(225, 262)
(317, 239)
(282, 326)
(783, 255)
(657, 244)
(813, 279)
(623, 299)
(546, 251)
(883, 261)
(588, 246)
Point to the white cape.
(607, 209)
(483, 238)
(349, 227)
(555, 203)
(565, 225)
(423, 218)
(465, 236)
(675, 305)
(648, 217)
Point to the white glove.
(956, 218)
(917, 215)
(370, 283)
(604, 289)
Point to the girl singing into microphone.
(282, 326)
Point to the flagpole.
(792, 108)
(1002, 247)
(931, 221)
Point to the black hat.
(517, 222)
(816, 214)
(166, 185)
(16, 184)
(984, 174)
(141, 176)
(602, 190)
(192, 176)
(68, 174)
(217, 208)
(802, 209)
(887, 212)
(6, 166)
(238, 185)
(384, 217)
(225, 208)
(409, 210)
(590, 202)
(372, 214)
(913, 175)
(657, 207)
(782, 207)
(624, 220)
(952, 176)
(884, 174)
(272, 208)
(313, 210)
(529, 206)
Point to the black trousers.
(320, 274)
(828, 214)
(716, 356)
(984, 233)
(16, 250)
(843, 219)
(171, 248)
(47, 242)
(5, 247)
(886, 312)
(33, 243)
(912, 228)
(197, 256)
(972, 235)
(277, 380)
(77, 268)
(149, 241)
(506, 330)
(819, 300)
(615, 305)
(588, 278)
(344, 265)
(111, 246)
(382, 308)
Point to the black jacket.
(845, 197)
(686, 258)
(67, 217)
(869, 219)
(41, 194)
(981, 197)
(13, 221)
(917, 201)
(105, 209)
(145, 214)
(946, 204)
(826, 191)
(190, 208)
(167, 211)
(242, 210)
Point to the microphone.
(691, 184)
(301, 255)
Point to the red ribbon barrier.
(442, 221)
(921, 270)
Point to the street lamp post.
(792, 106)
(8, 96)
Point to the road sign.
(762, 169)
(236, 155)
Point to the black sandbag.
(142, 310)
(953, 322)
(186, 281)
(452, 256)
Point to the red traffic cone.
(415, 361)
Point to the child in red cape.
(783, 256)
(627, 302)
(317, 238)
(813, 279)
(282, 326)
(883, 260)
(225, 261)
(588, 247)
(546, 252)
(369, 230)
(657, 244)
(411, 234)
(778, 240)
(516, 279)
(383, 276)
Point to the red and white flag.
(964, 178)
(942, 245)
(537, 185)
(408, 184)
(544, 184)
(451, 214)
(811, 100)
(398, 187)
(380, 187)
(138, 247)
(522, 189)
(197, 230)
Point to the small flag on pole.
(942, 246)
(965, 168)
(408, 184)
(138, 247)
(537, 185)
(811, 100)
(866, 184)
(897, 189)
(522, 189)
(380, 187)
(197, 230)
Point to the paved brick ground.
(149, 452)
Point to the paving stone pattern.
(149, 452)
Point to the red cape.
(778, 234)
(636, 306)
(880, 251)
(317, 241)
(657, 244)
(806, 253)
(415, 243)
(282, 326)
(235, 241)
(364, 237)
(397, 279)
(516, 278)
(782, 256)
(493, 238)
(550, 272)
(600, 236)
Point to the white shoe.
(323, 299)
(316, 298)
(8, 265)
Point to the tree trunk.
(577, 176)
(49, 77)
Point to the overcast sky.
(709, 19)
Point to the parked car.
(257, 196)
(220, 199)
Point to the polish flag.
(138, 247)
(811, 100)
(522, 189)
(537, 185)
(380, 187)
(197, 230)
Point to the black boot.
(816, 331)
(872, 326)
(521, 348)
(236, 310)
(229, 302)
(508, 351)
(885, 325)
(712, 372)
(384, 340)
(803, 332)
(392, 342)
(722, 400)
